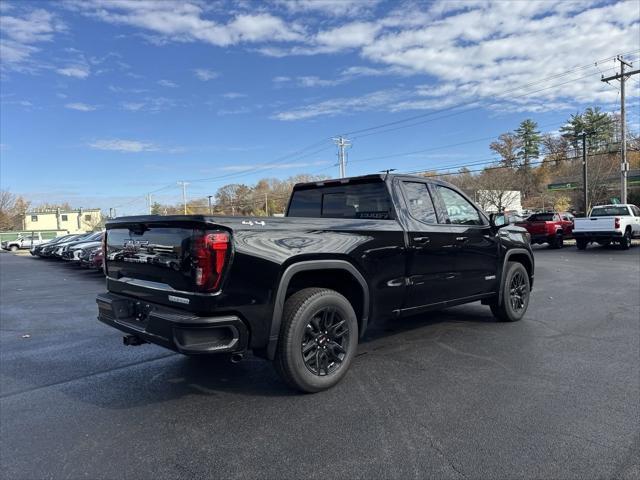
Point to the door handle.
(461, 239)
(421, 240)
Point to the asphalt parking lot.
(449, 395)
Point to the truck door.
(431, 248)
(475, 244)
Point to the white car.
(28, 241)
(607, 224)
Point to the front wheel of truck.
(516, 289)
(318, 339)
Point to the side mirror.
(498, 220)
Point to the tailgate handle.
(422, 240)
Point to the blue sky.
(103, 101)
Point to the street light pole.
(210, 208)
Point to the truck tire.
(515, 294)
(558, 241)
(581, 243)
(13, 248)
(318, 339)
(625, 242)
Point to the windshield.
(609, 211)
(541, 217)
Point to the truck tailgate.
(594, 224)
(179, 256)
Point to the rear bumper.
(177, 330)
(595, 236)
(541, 237)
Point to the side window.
(459, 210)
(34, 218)
(636, 210)
(419, 201)
(64, 218)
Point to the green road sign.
(563, 186)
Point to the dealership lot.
(452, 394)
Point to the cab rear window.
(609, 211)
(363, 201)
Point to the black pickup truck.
(301, 290)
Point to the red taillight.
(104, 252)
(617, 222)
(210, 255)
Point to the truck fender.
(510, 253)
(303, 266)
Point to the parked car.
(71, 251)
(61, 247)
(49, 246)
(51, 249)
(92, 257)
(301, 290)
(23, 242)
(549, 227)
(607, 224)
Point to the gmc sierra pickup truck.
(301, 290)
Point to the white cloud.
(20, 34)
(234, 111)
(176, 20)
(81, 107)
(149, 104)
(121, 145)
(351, 35)
(132, 106)
(76, 71)
(205, 74)
(167, 83)
(332, 8)
(233, 95)
(381, 99)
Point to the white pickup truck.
(606, 224)
(23, 241)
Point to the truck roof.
(614, 205)
(365, 178)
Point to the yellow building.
(73, 221)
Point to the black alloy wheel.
(325, 342)
(518, 291)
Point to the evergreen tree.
(529, 139)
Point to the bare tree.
(496, 188)
(507, 146)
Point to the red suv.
(549, 227)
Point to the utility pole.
(266, 204)
(184, 194)
(342, 144)
(149, 202)
(585, 191)
(624, 165)
(210, 208)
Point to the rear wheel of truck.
(318, 339)
(625, 242)
(581, 244)
(515, 294)
(14, 248)
(557, 242)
